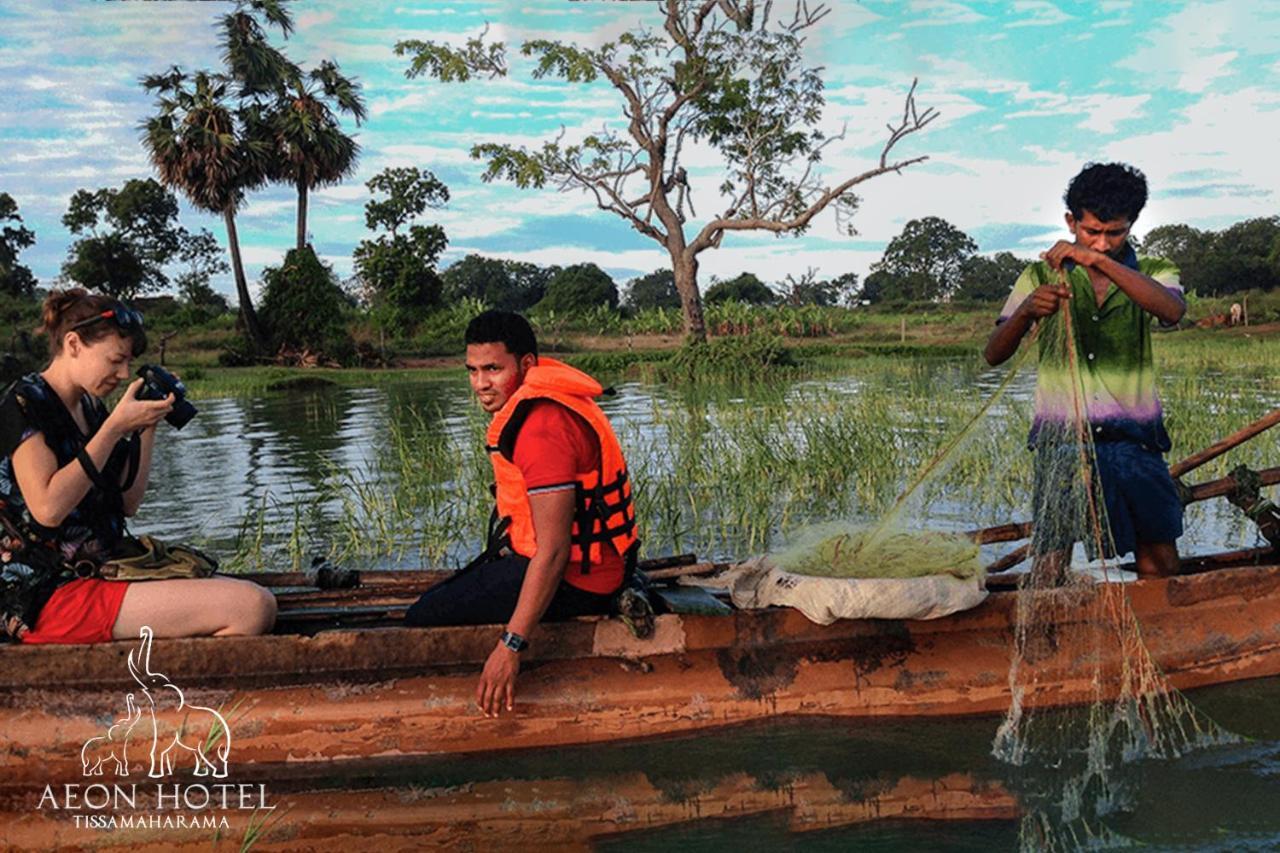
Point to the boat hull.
(358, 694)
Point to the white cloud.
(40, 83)
(260, 208)
(1041, 14)
(415, 155)
(500, 115)
(567, 101)
(871, 108)
(343, 192)
(466, 225)
(379, 107)
(1203, 71)
(263, 256)
(1194, 39)
(1097, 112)
(308, 20)
(402, 10)
(941, 13)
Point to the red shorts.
(82, 611)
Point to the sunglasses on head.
(123, 316)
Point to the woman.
(70, 474)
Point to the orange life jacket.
(603, 511)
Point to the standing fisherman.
(1112, 295)
(562, 536)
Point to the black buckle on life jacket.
(497, 541)
(592, 518)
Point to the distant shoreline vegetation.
(747, 341)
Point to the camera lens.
(181, 414)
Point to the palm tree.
(312, 150)
(212, 152)
(257, 67)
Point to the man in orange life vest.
(562, 536)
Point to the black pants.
(486, 595)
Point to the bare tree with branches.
(729, 73)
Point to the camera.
(158, 383)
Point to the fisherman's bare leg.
(1050, 569)
(196, 607)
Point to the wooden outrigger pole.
(1240, 486)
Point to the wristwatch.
(514, 641)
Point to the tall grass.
(731, 469)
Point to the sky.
(1027, 91)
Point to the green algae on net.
(848, 551)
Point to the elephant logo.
(203, 732)
(112, 747)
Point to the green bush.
(303, 307)
(580, 287)
(238, 353)
(746, 288)
(752, 357)
(441, 332)
(399, 269)
(657, 290)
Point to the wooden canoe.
(350, 684)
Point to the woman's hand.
(132, 414)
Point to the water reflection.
(883, 785)
(880, 785)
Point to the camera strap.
(91, 470)
(134, 443)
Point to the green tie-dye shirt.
(1113, 346)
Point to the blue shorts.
(1140, 501)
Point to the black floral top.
(35, 560)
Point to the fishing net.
(1088, 700)
(853, 551)
(1089, 703)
